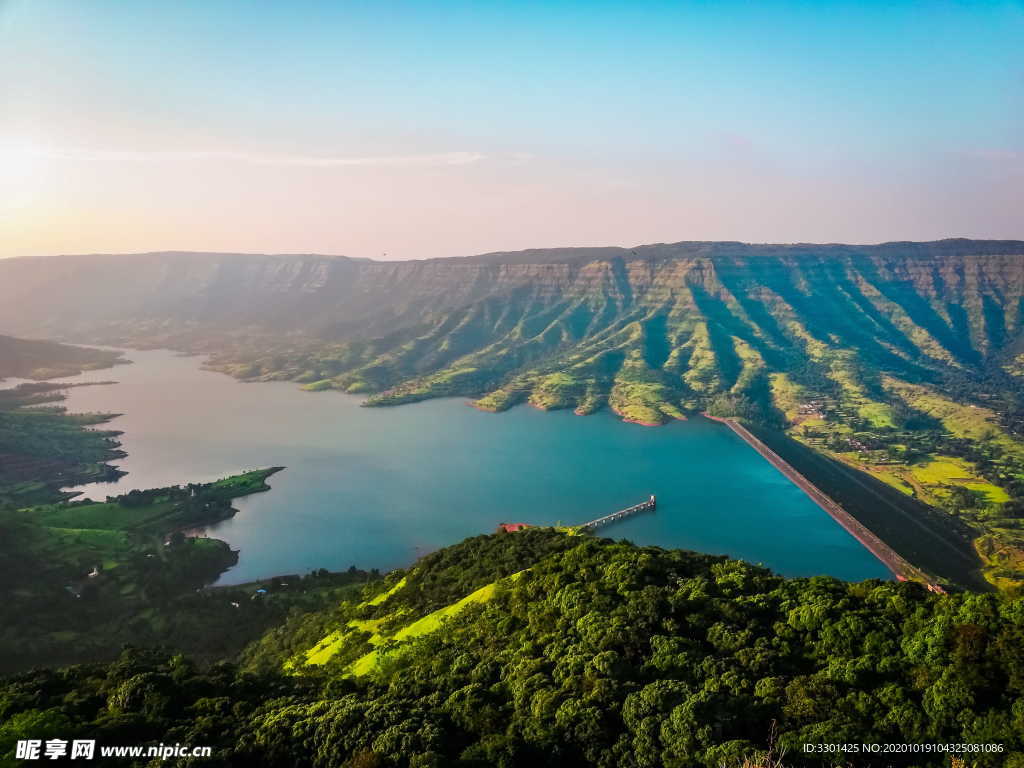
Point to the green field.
(328, 647)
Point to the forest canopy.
(599, 653)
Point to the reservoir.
(379, 487)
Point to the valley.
(123, 549)
(532, 647)
(380, 487)
(900, 361)
(361, 406)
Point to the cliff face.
(692, 318)
(964, 285)
(685, 321)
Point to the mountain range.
(902, 361)
(690, 319)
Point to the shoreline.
(626, 420)
(642, 423)
(896, 563)
(576, 411)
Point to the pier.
(646, 506)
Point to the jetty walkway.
(645, 506)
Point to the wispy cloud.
(281, 159)
(342, 161)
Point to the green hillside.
(595, 653)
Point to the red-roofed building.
(512, 527)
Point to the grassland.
(156, 510)
(386, 632)
(967, 421)
(365, 636)
(941, 474)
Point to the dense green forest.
(584, 652)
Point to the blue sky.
(426, 129)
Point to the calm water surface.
(377, 487)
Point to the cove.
(379, 487)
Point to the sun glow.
(24, 165)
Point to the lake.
(378, 487)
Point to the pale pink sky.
(394, 129)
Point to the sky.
(406, 130)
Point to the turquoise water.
(378, 487)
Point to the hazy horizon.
(410, 130)
(633, 246)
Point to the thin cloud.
(428, 160)
(342, 161)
